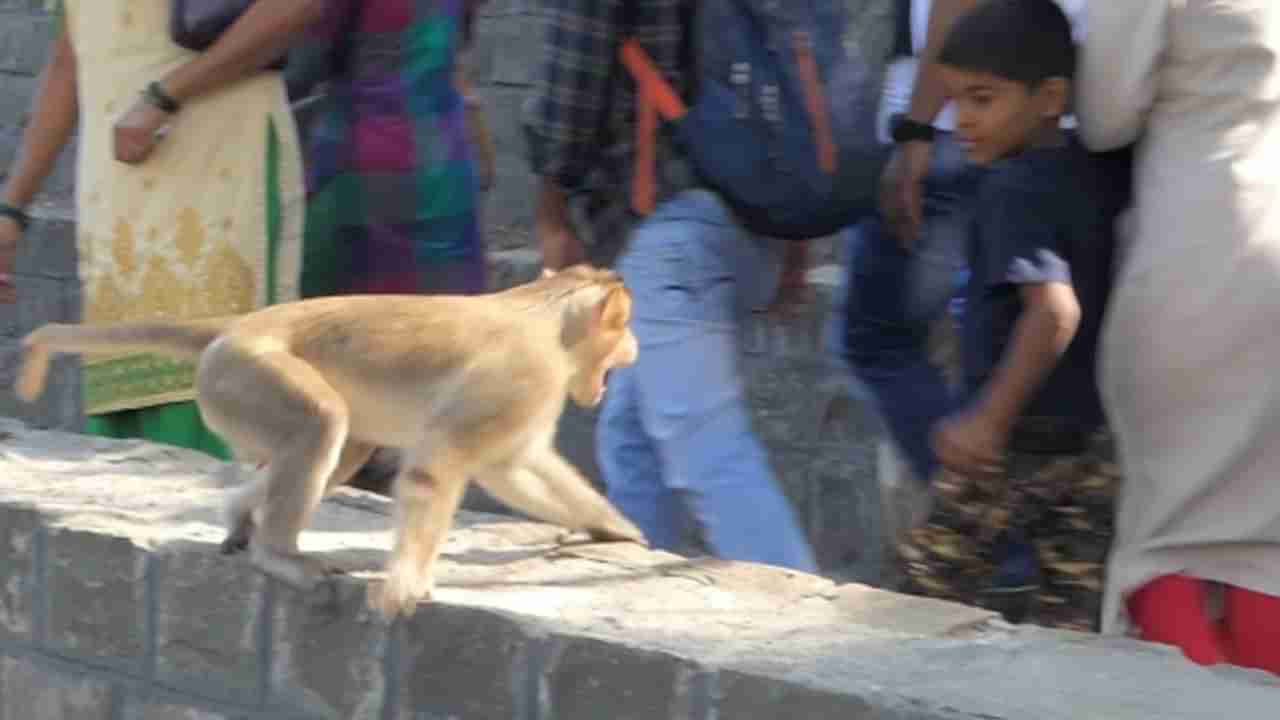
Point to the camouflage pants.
(1058, 506)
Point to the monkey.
(468, 388)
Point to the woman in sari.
(189, 189)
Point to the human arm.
(260, 35)
(902, 183)
(565, 116)
(1117, 73)
(1022, 231)
(477, 128)
(53, 119)
(973, 441)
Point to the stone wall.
(115, 604)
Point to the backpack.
(782, 118)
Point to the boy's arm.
(974, 441)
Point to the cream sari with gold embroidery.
(210, 224)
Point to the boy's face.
(997, 117)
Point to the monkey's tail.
(180, 339)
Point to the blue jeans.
(674, 437)
(894, 295)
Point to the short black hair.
(1026, 41)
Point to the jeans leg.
(691, 269)
(894, 297)
(631, 467)
(887, 337)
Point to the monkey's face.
(609, 344)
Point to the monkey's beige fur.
(468, 387)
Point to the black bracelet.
(156, 95)
(16, 214)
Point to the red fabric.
(1253, 627)
(1171, 610)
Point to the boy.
(1022, 513)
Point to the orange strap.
(815, 101)
(644, 184)
(654, 96)
(649, 81)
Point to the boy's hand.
(972, 443)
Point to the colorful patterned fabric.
(391, 182)
(1060, 509)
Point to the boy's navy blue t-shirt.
(1045, 215)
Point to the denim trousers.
(674, 437)
(892, 298)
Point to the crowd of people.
(1077, 193)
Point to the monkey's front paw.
(395, 597)
(297, 571)
(616, 528)
(234, 543)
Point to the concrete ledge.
(114, 603)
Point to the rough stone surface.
(31, 692)
(522, 625)
(223, 639)
(451, 670)
(96, 598)
(18, 529)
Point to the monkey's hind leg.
(427, 496)
(274, 405)
(244, 502)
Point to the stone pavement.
(114, 603)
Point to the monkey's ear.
(547, 272)
(615, 309)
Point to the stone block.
(513, 267)
(493, 8)
(510, 202)
(51, 251)
(141, 710)
(588, 675)
(463, 662)
(18, 529)
(24, 42)
(31, 692)
(29, 6)
(328, 652)
(906, 614)
(97, 597)
(208, 612)
(44, 300)
(479, 59)
(520, 38)
(750, 697)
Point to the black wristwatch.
(156, 95)
(16, 214)
(903, 129)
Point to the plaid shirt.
(579, 122)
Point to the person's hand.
(139, 131)
(972, 443)
(10, 234)
(902, 190)
(793, 296)
(561, 246)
